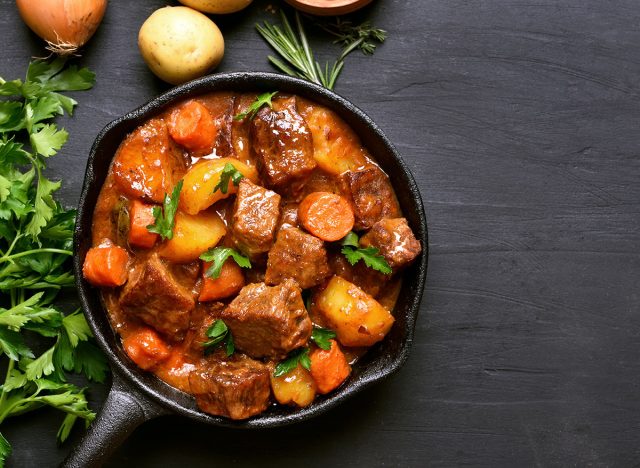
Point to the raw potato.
(180, 44)
(356, 317)
(217, 6)
(296, 387)
(192, 236)
(197, 193)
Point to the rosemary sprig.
(296, 56)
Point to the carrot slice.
(106, 266)
(326, 215)
(141, 216)
(193, 127)
(329, 368)
(146, 348)
(230, 281)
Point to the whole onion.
(66, 25)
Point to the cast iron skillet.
(137, 396)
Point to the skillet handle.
(123, 411)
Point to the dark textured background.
(521, 123)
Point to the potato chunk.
(296, 387)
(192, 236)
(199, 182)
(357, 318)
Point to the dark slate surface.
(521, 122)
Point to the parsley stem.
(35, 251)
(3, 396)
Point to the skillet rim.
(106, 339)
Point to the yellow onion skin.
(66, 25)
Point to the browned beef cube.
(288, 215)
(222, 110)
(373, 197)
(153, 296)
(268, 321)
(395, 240)
(255, 217)
(283, 146)
(202, 317)
(238, 388)
(298, 256)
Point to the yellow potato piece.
(217, 6)
(356, 317)
(192, 236)
(336, 147)
(296, 387)
(199, 181)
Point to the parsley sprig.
(35, 249)
(295, 357)
(219, 255)
(219, 334)
(322, 337)
(370, 255)
(261, 101)
(165, 217)
(229, 172)
(298, 58)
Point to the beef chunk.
(288, 215)
(255, 217)
(153, 296)
(283, 145)
(222, 110)
(202, 318)
(238, 388)
(372, 195)
(367, 279)
(299, 256)
(395, 240)
(268, 321)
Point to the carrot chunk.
(326, 215)
(106, 266)
(329, 368)
(230, 281)
(145, 348)
(193, 127)
(141, 216)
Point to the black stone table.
(521, 123)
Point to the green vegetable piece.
(219, 334)
(261, 100)
(370, 255)
(165, 217)
(322, 336)
(218, 255)
(229, 172)
(295, 357)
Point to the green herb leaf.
(229, 172)
(165, 216)
(219, 255)
(370, 255)
(13, 345)
(5, 449)
(295, 357)
(89, 361)
(261, 100)
(322, 336)
(77, 328)
(219, 334)
(48, 140)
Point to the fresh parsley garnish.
(261, 100)
(295, 357)
(219, 334)
(166, 216)
(36, 238)
(229, 172)
(370, 255)
(322, 336)
(219, 255)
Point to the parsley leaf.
(295, 357)
(5, 449)
(322, 337)
(219, 334)
(219, 255)
(261, 100)
(370, 255)
(165, 216)
(228, 172)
